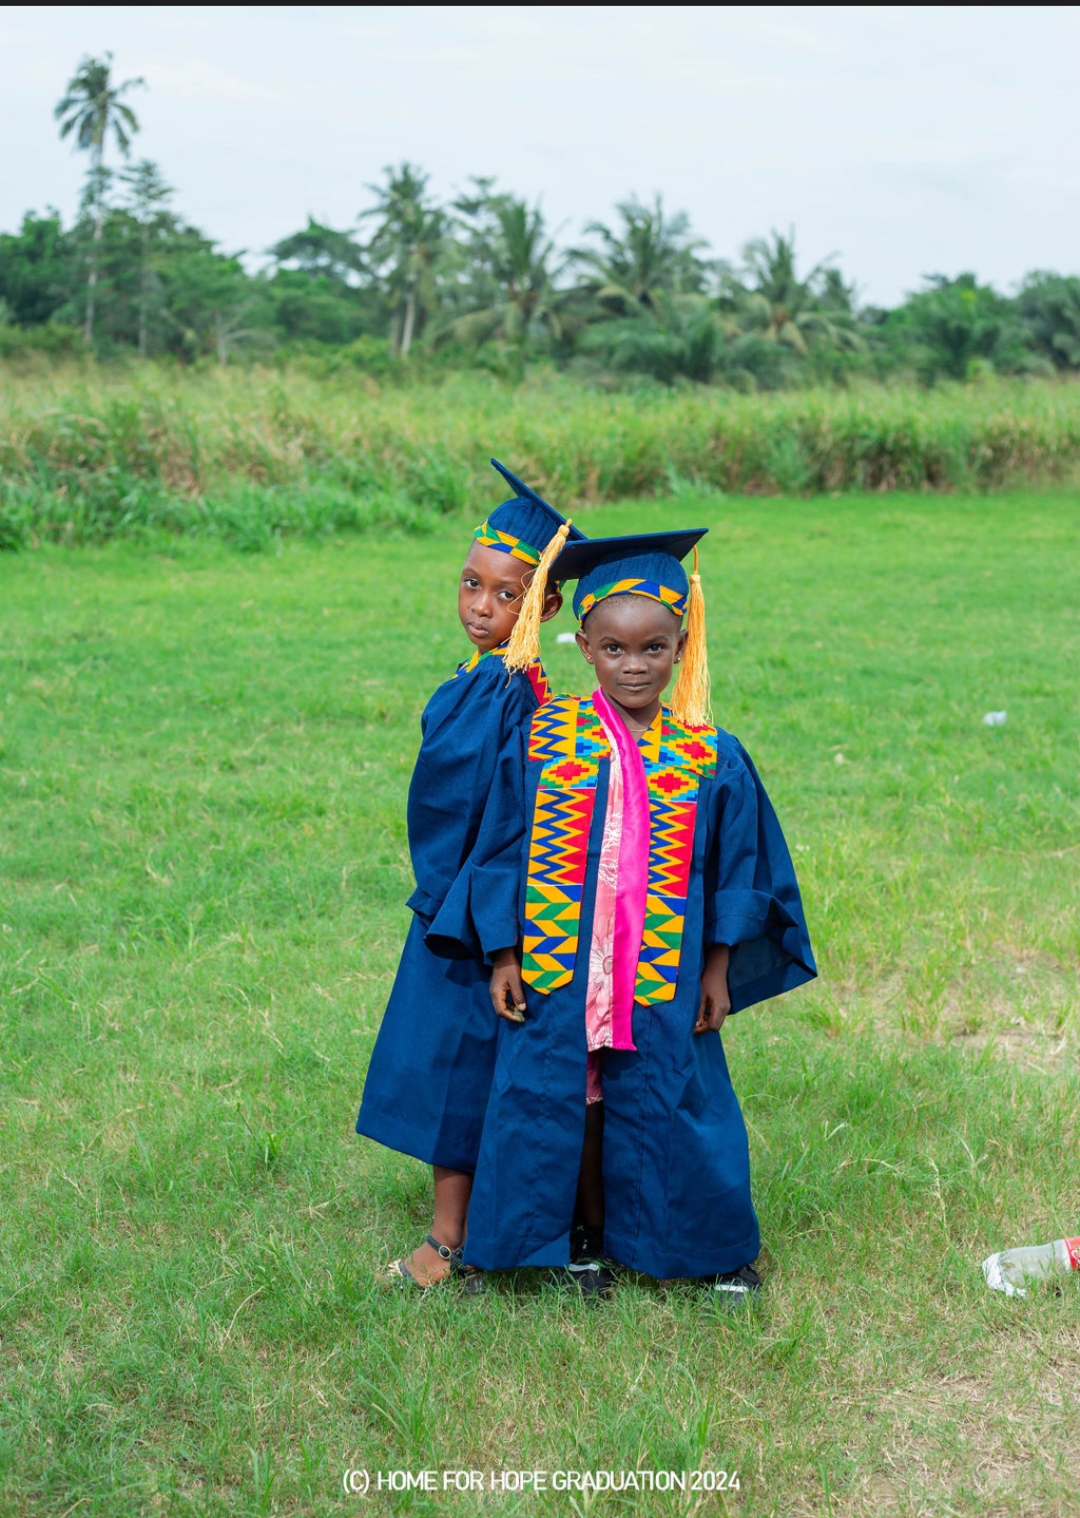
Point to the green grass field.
(203, 765)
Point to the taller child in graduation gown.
(427, 1084)
(638, 889)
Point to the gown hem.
(404, 1139)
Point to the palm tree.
(408, 244)
(956, 326)
(90, 107)
(512, 273)
(649, 257)
(773, 302)
(683, 337)
(147, 194)
(1049, 305)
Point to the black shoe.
(588, 1275)
(735, 1289)
(591, 1280)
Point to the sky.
(905, 140)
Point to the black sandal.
(469, 1275)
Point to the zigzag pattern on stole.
(671, 847)
(670, 854)
(537, 676)
(560, 838)
(553, 729)
(676, 759)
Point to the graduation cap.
(531, 530)
(649, 564)
(525, 525)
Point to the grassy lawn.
(203, 765)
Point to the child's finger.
(513, 1001)
(507, 997)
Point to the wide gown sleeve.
(482, 910)
(467, 724)
(752, 899)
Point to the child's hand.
(507, 990)
(715, 998)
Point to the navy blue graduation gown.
(676, 1159)
(430, 1070)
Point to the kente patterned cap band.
(505, 542)
(675, 600)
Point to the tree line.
(419, 284)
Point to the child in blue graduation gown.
(638, 889)
(427, 1084)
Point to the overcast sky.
(907, 140)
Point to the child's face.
(489, 595)
(633, 643)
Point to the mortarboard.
(647, 564)
(523, 526)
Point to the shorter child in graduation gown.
(638, 892)
(430, 1071)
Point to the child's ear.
(680, 647)
(583, 644)
(552, 605)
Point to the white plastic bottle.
(1009, 1270)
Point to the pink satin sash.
(598, 995)
(633, 873)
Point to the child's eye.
(508, 595)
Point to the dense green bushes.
(249, 455)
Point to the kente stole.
(535, 672)
(568, 739)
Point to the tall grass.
(249, 455)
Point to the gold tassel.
(690, 698)
(524, 645)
